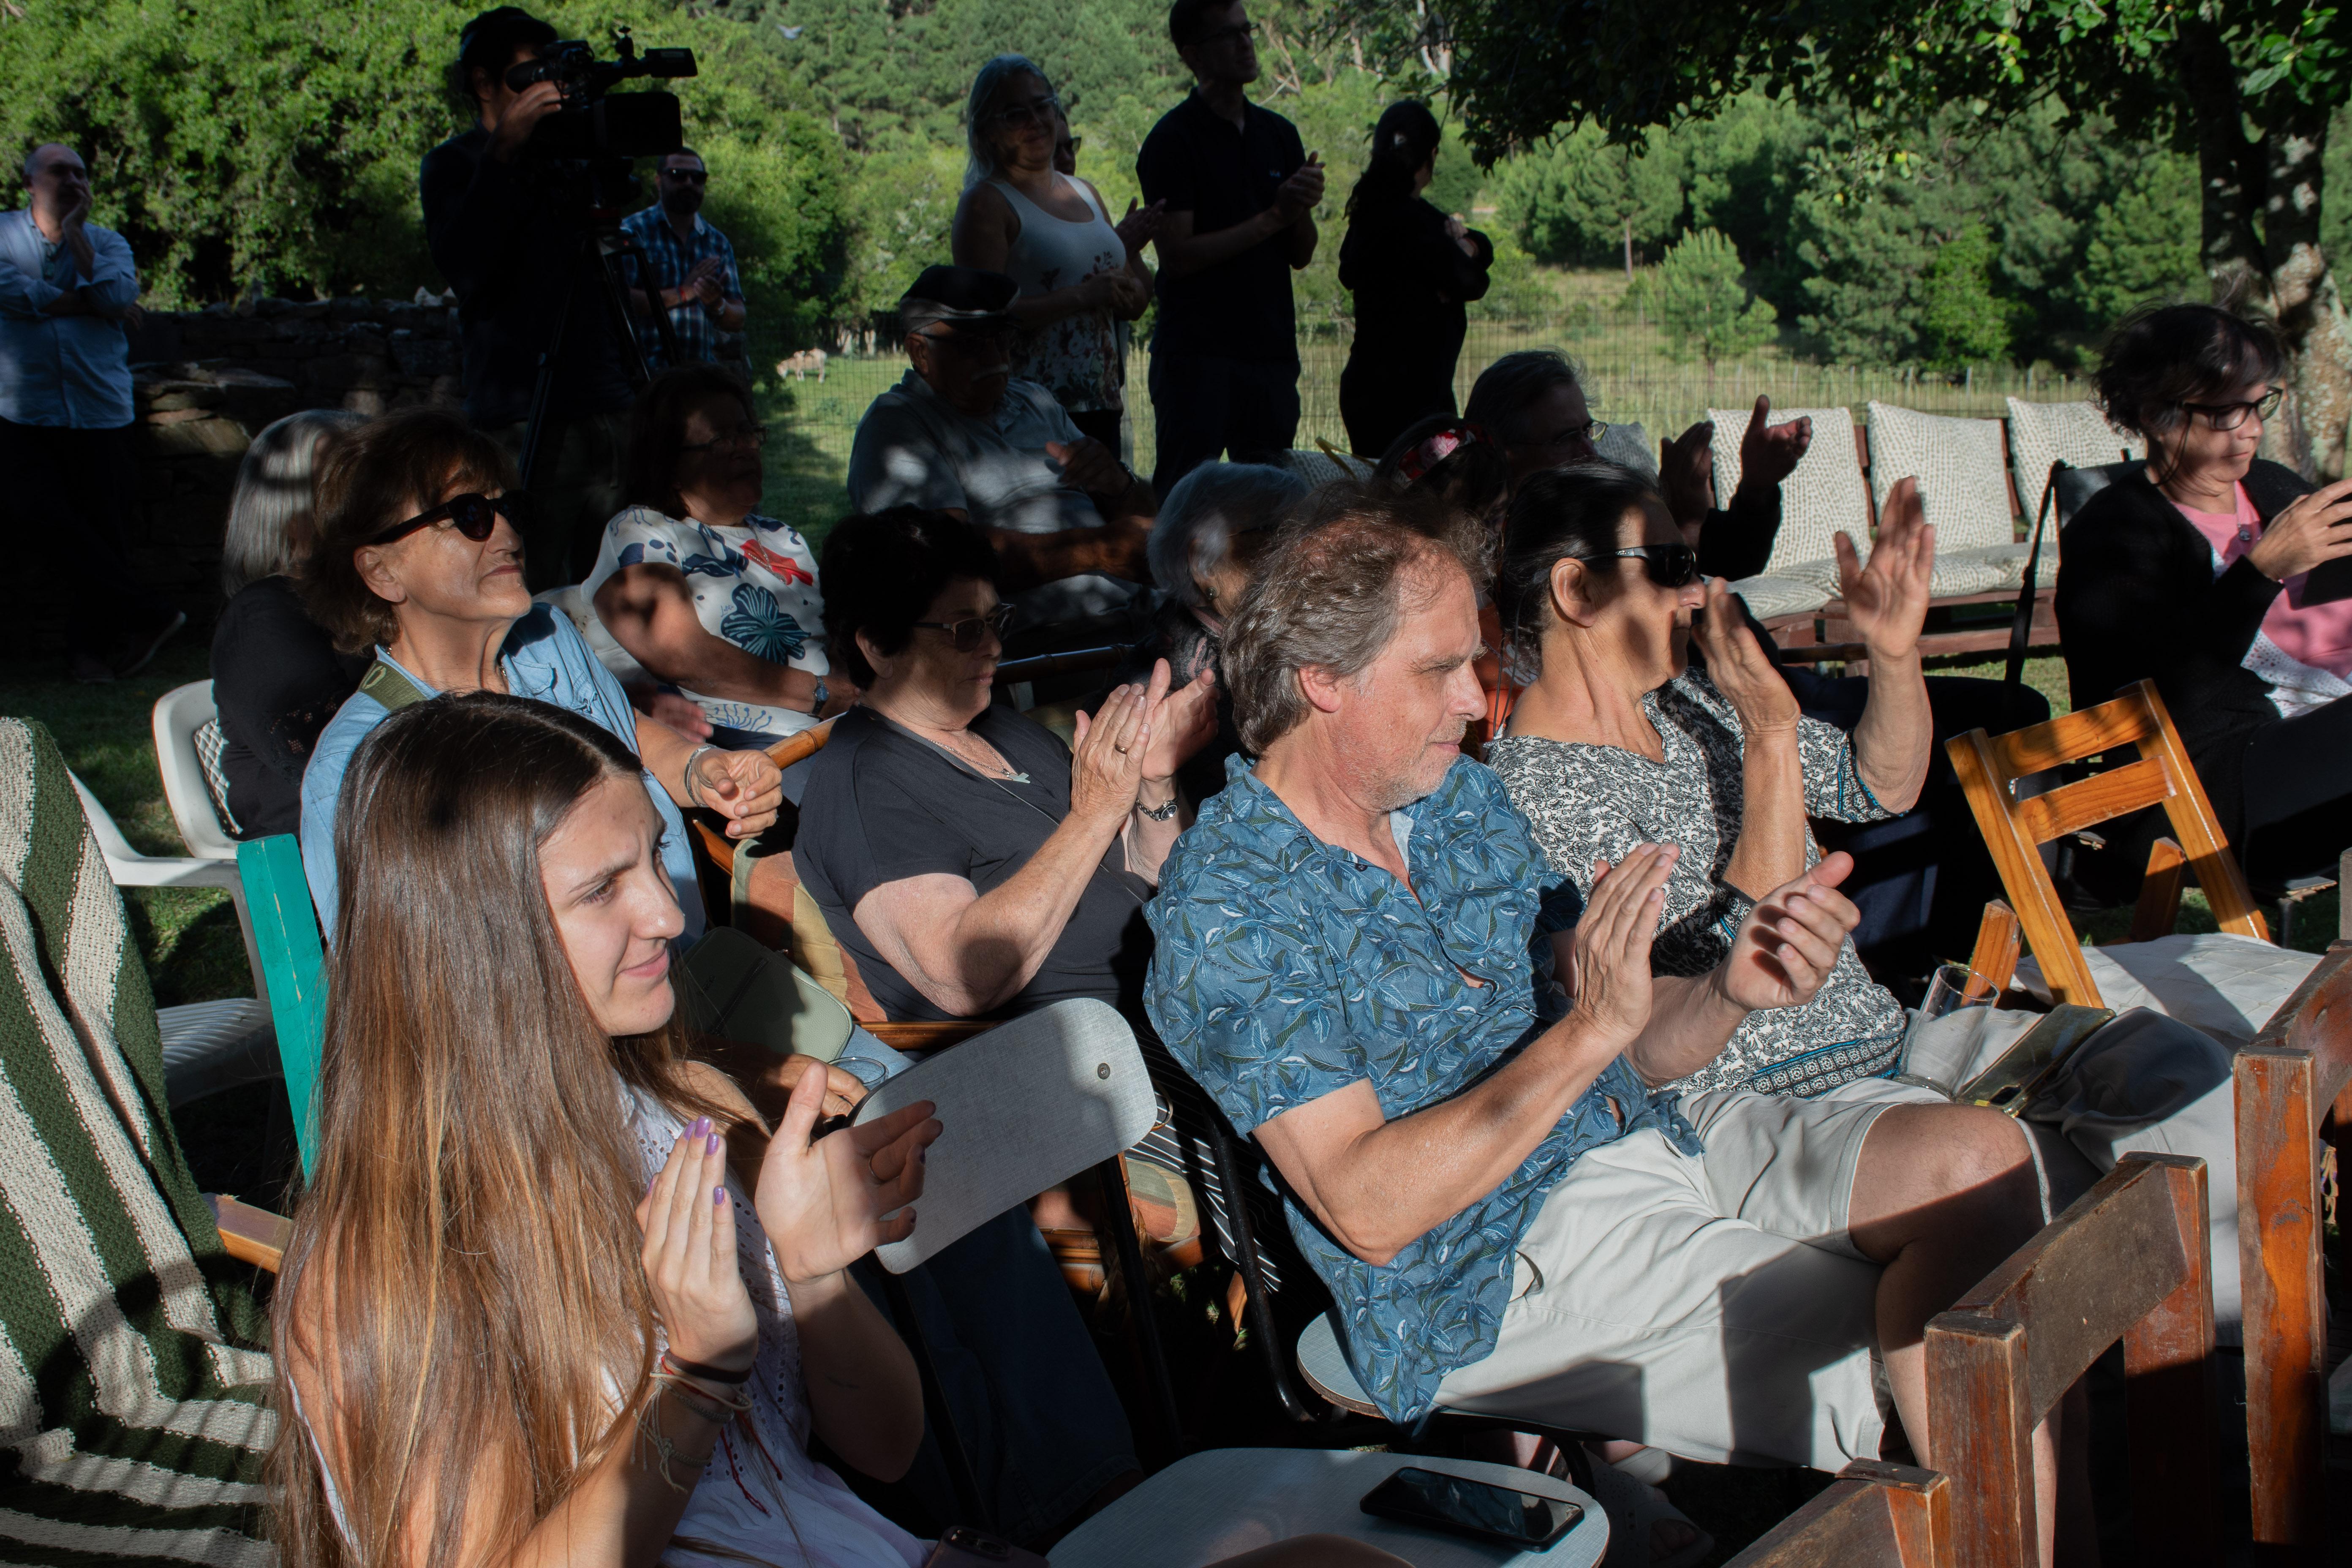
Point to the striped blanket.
(133, 1402)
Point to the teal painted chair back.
(293, 962)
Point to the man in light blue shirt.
(65, 287)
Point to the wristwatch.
(1163, 811)
(816, 704)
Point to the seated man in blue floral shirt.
(1356, 956)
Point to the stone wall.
(205, 382)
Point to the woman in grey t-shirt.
(1618, 741)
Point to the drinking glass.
(1951, 1020)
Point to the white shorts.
(1714, 1307)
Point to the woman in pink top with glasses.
(2194, 572)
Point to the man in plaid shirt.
(693, 266)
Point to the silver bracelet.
(694, 790)
(1163, 811)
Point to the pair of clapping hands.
(823, 1203)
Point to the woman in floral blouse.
(1619, 742)
(709, 595)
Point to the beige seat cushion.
(2221, 982)
(2042, 433)
(1962, 472)
(1769, 596)
(1824, 497)
(1631, 445)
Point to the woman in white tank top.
(1080, 274)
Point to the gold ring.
(1119, 748)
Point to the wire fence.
(1630, 377)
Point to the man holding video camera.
(506, 234)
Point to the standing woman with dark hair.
(2193, 573)
(1413, 269)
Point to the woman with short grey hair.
(276, 677)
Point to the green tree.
(1580, 198)
(1963, 321)
(2250, 86)
(1699, 298)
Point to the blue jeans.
(1040, 1422)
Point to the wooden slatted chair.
(2015, 829)
(2294, 1085)
(1875, 1515)
(2129, 1260)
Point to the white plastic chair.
(178, 714)
(207, 1045)
(1056, 1092)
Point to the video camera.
(593, 125)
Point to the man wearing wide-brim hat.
(961, 434)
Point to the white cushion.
(1320, 468)
(1631, 445)
(1823, 498)
(1962, 473)
(2042, 433)
(1769, 596)
(2009, 560)
(2221, 982)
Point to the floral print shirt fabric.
(754, 586)
(1285, 968)
(1593, 803)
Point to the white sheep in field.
(799, 365)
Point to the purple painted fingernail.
(710, 1145)
(719, 1195)
(701, 1125)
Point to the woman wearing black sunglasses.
(963, 857)
(2196, 572)
(1618, 741)
(419, 562)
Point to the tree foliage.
(1699, 298)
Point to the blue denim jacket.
(1285, 969)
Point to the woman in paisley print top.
(707, 594)
(1620, 742)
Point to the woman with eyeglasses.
(419, 561)
(2196, 572)
(699, 588)
(1079, 274)
(1617, 741)
(965, 858)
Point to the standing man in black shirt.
(1240, 193)
(505, 236)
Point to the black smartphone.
(1488, 1513)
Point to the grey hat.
(964, 296)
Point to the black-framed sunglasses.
(475, 516)
(691, 176)
(965, 635)
(2230, 416)
(1668, 565)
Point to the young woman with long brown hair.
(499, 1341)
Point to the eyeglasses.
(691, 176)
(475, 516)
(741, 435)
(1036, 112)
(1242, 34)
(1071, 144)
(1588, 434)
(2230, 416)
(965, 635)
(1667, 566)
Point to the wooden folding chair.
(2294, 1084)
(1875, 1515)
(2015, 829)
(2130, 1260)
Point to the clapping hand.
(1740, 669)
(1770, 453)
(688, 1254)
(1087, 465)
(744, 787)
(1140, 227)
(1687, 476)
(1299, 196)
(1179, 722)
(1886, 601)
(825, 1205)
(1787, 946)
(1107, 758)
(1609, 962)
